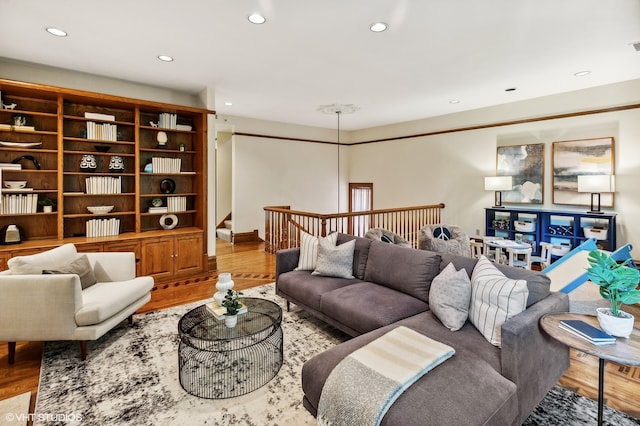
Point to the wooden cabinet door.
(4, 258)
(188, 255)
(158, 257)
(127, 246)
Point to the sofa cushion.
(103, 300)
(308, 289)
(538, 283)
(335, 261)
(309, 250)
(360, 253)
(36, 263)
(494, 299)
(79, 266)
(408, 271)
(365, 306)
(449, 297)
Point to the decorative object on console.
(168, 221)
(525, 163)
(596, 184)
(31, 158)
(498, 184)
(116, 164)
(618, 284)
(167, 186)
(580, 157)
(88, 163)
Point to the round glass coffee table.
(219, 362)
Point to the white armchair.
(37, 306)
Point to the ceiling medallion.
(338, 108)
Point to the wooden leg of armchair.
(12, 352)
(83, 350)
(131, 319)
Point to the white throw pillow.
(494, 299)
(449, 297)
(309, 250)
(36, 263)
(335, 261)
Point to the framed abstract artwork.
(525, 163)
(581, 157)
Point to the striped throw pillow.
(494, 299)
(309, 250)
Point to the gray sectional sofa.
(481, 384)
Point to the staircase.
(225, 233)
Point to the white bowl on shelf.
(99, 209)
(15, 184)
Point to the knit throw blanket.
(362, 387)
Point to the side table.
(625, 351)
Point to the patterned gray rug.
(131, 378)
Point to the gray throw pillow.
(81, 267)
(309, 250)
(450, 296)
(335, 261)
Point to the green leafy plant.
(618, 281)
(46, 201)
(231, 302)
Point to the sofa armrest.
(113, 266)
(286, 260)
(530, 357)
(39, 307)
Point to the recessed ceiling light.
(378, 27)
(165, 58)
(454, 101)
(510, 89)
(582, 73)
(256, 18)
(228, 103)
(56, 32)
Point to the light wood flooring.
(250, 266)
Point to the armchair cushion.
(36, 263)
(103, 300)
(79, 266)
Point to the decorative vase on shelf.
(116, 164)
(88, 163)
(230, 321)
(620, 326)
(224, 284)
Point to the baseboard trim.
(246, 237)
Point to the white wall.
(223, 177)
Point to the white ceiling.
(317, 52)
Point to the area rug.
(130, 377)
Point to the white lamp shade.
(596, 183)
(498, 183)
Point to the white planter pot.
(621, 326)
(224, 283)
(230, 320)
(47, 209)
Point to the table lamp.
(596, 184)
(498, 184)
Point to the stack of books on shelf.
(103, 185)
(167, 120)
(104, 131)
(218, 310)
(158, 209)
(166, 165)
(98, 116)
(19, 204)
(177, 204)
(587, 332)
(10, 166)
(102, 227)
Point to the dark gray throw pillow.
(79, 266)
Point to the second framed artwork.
(581, 157)
(525, 163)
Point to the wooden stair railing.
(283, 225)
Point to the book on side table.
(587, 332)
(218, 311)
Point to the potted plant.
(233, 306)
(47, 204)
(619, 285)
